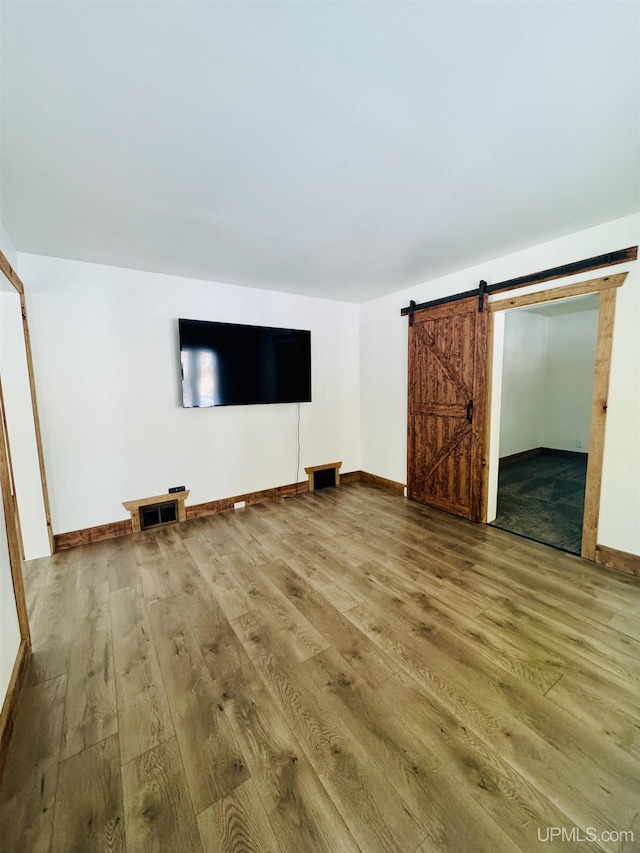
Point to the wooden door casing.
(447, 363)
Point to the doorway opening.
(546, 393)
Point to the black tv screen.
(226, 364)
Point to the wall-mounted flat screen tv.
(227, 364)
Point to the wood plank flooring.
(341, 671)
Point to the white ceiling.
(339, 149)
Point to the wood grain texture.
(122, 571)
(365, 657)
(90, 820)
(345, 671)
(28, 789)
(132, 506)
(221, 650)
(116, 529)
(158, 812)
(275, 493)
(92, 567)
(446, 387)
(12, 479)
(91, 534)
(91, 713)
(598, 423)
(213, 761)
(595, 285)
(599, 262)
(382, 482)
(12, 524)
(311, 470)
(614, 559)
(11, 699)
(144, 718)
(178, 498)
(374, 813)
(7, 270)
(294, 635)
(300, 811)
(54, 596)
(237, 824)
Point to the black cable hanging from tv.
(298, 451)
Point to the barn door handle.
(470, 411)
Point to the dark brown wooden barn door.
(447, 354)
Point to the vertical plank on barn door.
(447, 357)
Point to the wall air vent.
(154, 514)
(160, 509)
(322, 476)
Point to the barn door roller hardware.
(608, 260)
(482, 289)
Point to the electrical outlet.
(239, 505)
(578, 443)
(175, 489)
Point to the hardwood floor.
(344, 670)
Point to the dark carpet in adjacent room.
(542, 497)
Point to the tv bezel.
(220, 323)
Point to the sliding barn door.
(447, 354)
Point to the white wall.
(9, 627)
(568, 380)
(383, 359)
(106, 362)
(523, 418)
(547, 381)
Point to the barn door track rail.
(598, 262)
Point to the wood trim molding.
(485, 461)
(36, 422)
(311, 470)
(121, 528)
(10, 273)
(13, 538)
(223, 504)
(382, 483)
(181, 497)
(595, 285)
(607, 287)
(610, 259)
(14, 279)
(134, 506)
(351, 477)
(87, 535)
(611, 558)
(12, 479)
(604, 343)
(10, 704)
